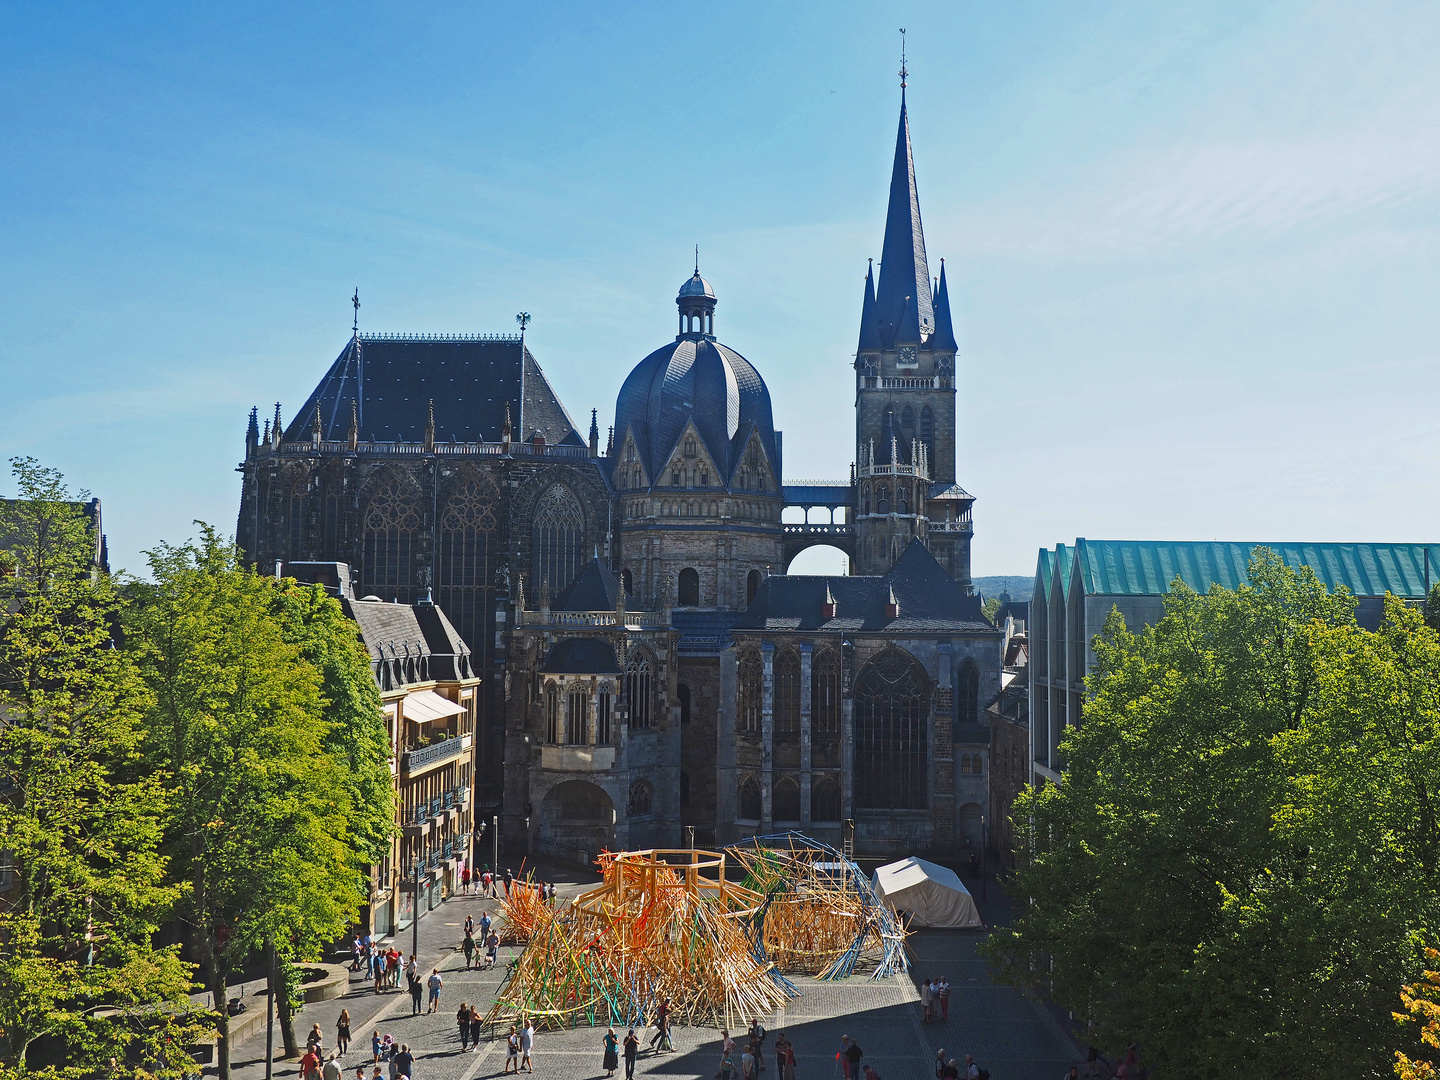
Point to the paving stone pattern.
(1009, 1034)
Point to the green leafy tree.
(1422, 1008)
(1432, 607)
(80, 820)
(260, 826)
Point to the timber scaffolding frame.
(665, 925)
(820, 915)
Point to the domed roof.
(696, 286)
(695, 377)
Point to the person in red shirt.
(309, 1065)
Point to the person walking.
(331, 1071)
(465, 879)
(789, 1073)
(375, 1044)
(492, 948)
(926, 1000)
(944, 991)
(507, 879)
(484, 926)
(405, 1062)
(632, 1051)
(462, 1021)
(468, 948)
(662, 1017)
(854, 1055)
(611, 1061)
(435, 982)
(780, 1044)
(417, 988)
(342, 1032)
(475, 1019)
(309, 1064)
(512, 1050)
(527, 1044)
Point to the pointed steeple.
(904, 273)
(252, 431)
(869, 317)
(944, 337)
(275, 428)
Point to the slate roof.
(392, 380)
(581, 656)
(703, 631)
(1143, 568)
(928, 598)
(389, 630)
(594, 589)
(819, 493)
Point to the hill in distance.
(1019, 588)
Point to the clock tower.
(905, 396)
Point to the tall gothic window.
(577, 732)
(785, 799)
(787, 696)
(602, 717)
(467, 525)
(296, 516)
(752, 586)
(825, 799)
(927, 430)
(751, 687)
(967, 693)
(638, 690)
(642, 795)
(825, 693)
(552, 714)
(557, 539)
(883, 500)
(392, 524)
(689, 587)
(890, 734)
(907, 420)
(749, 799)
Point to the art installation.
(668, 925)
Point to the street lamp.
(495, 827)
(415, 912)
(983, 889)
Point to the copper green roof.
(1147, 567)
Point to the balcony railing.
(424, 756)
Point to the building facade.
(447, 464)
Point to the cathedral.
(649, 674)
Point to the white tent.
(929, 895)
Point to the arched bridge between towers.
(831, 495)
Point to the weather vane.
(904, 71)
(523, 319)
(356, 301)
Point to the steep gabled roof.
(581, 656)
(594, 589)
(904, 273)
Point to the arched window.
(907, 420)
(637, 690)
(787, 695)
(557, 539)
(392, 521)
(890, 734)
(689, 446)
(635, 476)
(552, 714)
(298, 490)
(965, 764)
(641, 796)
(749, 691)
(977, 765)
(689, 587)
(577, 730)
(825, 799)
(628, 580)
(749, 799)
(867, 500)
(825, 693)
(785, 799)
(464, 573)
(902, 496)
(682, 691)
(603, 708)
(752, 586)
(883, 500)
(967, 693)
(927, 423)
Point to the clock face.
(907, 354)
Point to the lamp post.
(983, 888)
(270, 1010)
(415, 914)
(495, 827)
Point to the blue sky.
(1194, 248)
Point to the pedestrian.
(926, 1000)
(377, 969)
(468, 947)
(462, 1021)
(375, 1045)
(512, 1050)
(465, 879)
(747, 1063)
(342, 1031)
(331, 1071)
(309, 1064)
(789, 1073)
(492, 948)
(475, 1020)
(507, 879)
(485, 882)
(527, 1044)
(632, 1051)
(727, 1044)
(611, 1061)
(377, 1074)
(484, 925)
(662, 1015)
(853, 1055)
(972, 1071)
(360, 1071)
(470, 924)
(435, 982)
(727, 1068)
(944, 991)
(780, 1043)
(950, 1071)
(757, 1039)
(314, 1040)
(356, 953)
(417, 988)
(405, 1062)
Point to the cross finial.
(697, 260)
(904, 71)
(356, 301)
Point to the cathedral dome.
(697, 286)
(696, 378)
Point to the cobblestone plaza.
(1008, 1033)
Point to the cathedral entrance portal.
(577, 820)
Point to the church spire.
(944, 337)
(904, 273)
(869, 318)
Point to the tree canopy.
(1238, 869)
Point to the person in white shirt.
(527, 1044)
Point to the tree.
(260, 822)
(1237, 865)
(1432, 607)
(1422, 1007)
(81, 822)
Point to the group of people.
(950, 1069)
(519, 1045)
(489, 941)
(751, 1062)
(935, 998)
(382, 966)
(659, 1042)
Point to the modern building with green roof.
(1076, 587)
